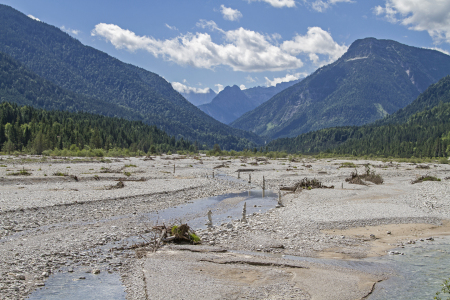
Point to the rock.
(70, 270)
(388, 232)
(45, 274)
(96, 271)
(81, 277)
(430, 239)
(372, 236)
(39, 284)
(20, 277)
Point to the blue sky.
(197, 45)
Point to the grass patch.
(22, 172)
(130, 166)
(128, 174)
(347, 165)
(425, 178)
(60, 174)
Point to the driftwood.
(219, 166)
(163, 234)
(246, 170)
(130, 179)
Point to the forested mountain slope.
(57, 57)
(423, 134)
(372, 79)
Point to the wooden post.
(239, 174)
(264, 183)
(244, 213)
(213, 174)
(173, 168)
(250, 178)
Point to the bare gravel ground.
(51, 223)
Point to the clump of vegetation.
(347, 165)
(130, 166)
(443, 160)
(22, 172)
(444, 291)
(308, 184)
(60, 174)
(128, 174)
(371, 176)
(355, 179)
(425, 178)
(183, 234)
(368, 176)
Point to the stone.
(45, 274)
(20, 277)
(388, 232)
(96, 271)
(372, 236)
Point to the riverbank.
(71, 213)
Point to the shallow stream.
(417, 274)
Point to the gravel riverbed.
(72, 213)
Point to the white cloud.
(68, 30)
(230, 14)
(316, 41)
(322, 5)
(33, 17)
(287, 78)
(432, 16)
(171, 27)
(243, 50)
(181, 88)
(242, 87)
(277, 3)
(219, 87)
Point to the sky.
(197, 45)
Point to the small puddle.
(68, 286)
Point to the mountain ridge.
(372, 79)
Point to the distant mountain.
(63, 60)
(261, 94)
(228, 105)
(372, 79)
(421, 129)
(200, 98)
(232, 102)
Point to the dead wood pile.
(306, 183)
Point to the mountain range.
(138, 94)
(374, 78)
